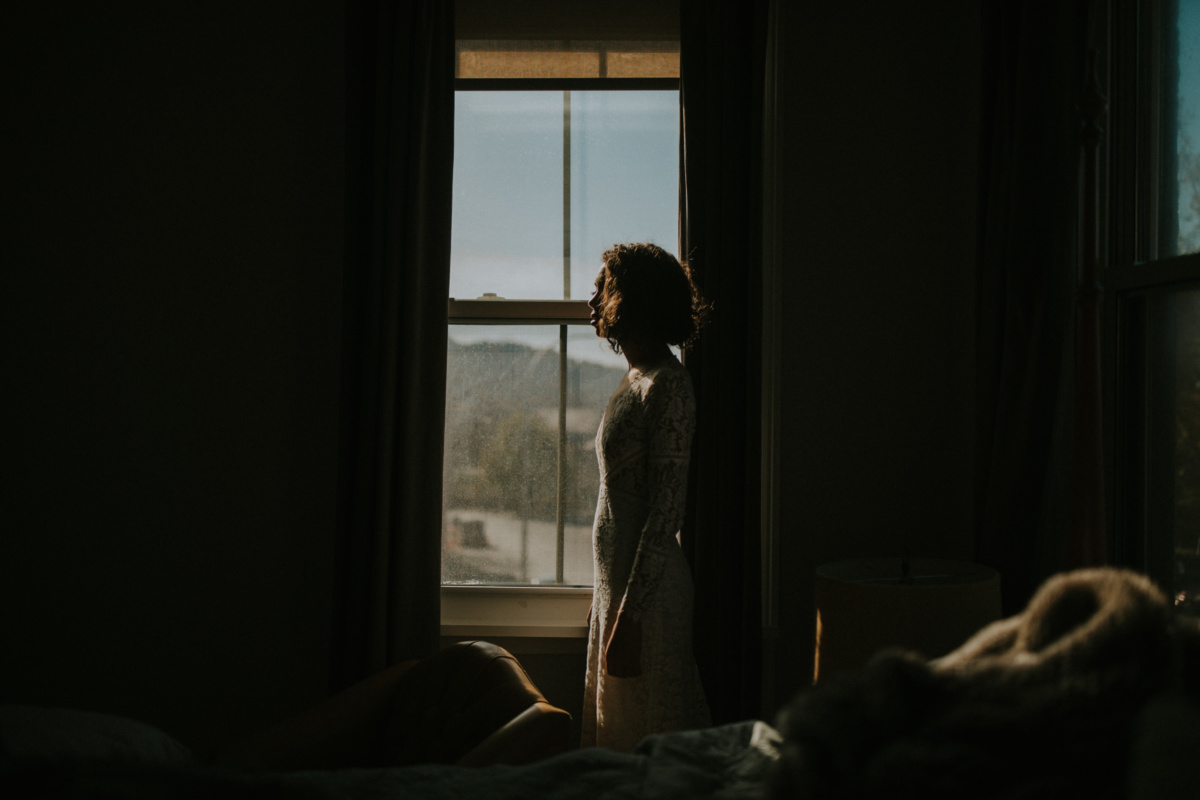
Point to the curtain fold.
(722, 73)
(399, 170)
(1027, 397)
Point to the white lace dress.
(643, 447)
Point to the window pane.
(1174, 435)
(1181, 184)
(508, 231)
(624, 176)
(508, 190)
(501, 459)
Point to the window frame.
(1139, 271)
(526, 611)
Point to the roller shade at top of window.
(566, 59)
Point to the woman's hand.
(623, 654)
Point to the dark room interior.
(174, 295)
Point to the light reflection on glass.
(1184, 185)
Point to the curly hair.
(648, 294)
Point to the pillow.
(36, 733)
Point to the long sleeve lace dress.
(643, 447)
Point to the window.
(1156, 278)
(548, 173)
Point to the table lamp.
(929, 606)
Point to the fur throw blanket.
(1067, 699)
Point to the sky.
(508, 227)
(508, 186)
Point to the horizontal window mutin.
(532, 312)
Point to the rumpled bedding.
(1087, 693)
(722, 763)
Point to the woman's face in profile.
(597, 301)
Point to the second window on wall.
(1156, 278)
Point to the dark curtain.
(722, 69)
(399, 160)
(1034, 68)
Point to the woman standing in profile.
(641, 674)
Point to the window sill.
(516, 611)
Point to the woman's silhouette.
(641, 675)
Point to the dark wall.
(879, 130)
(171, 279)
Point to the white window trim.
(518, 611)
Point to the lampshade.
(929, 606)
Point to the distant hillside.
(501, 429)
(518, 376)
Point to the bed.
(1092, 691)
(118, 758)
